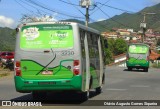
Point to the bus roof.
(63, 23)
(139, 44)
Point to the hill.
(7, 38)
(127, 20)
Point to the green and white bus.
(58, 56)
(138, 56)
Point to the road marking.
(114, 89)
(140, 86)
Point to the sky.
(12, 11)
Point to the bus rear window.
(46, 36)
(140, 49)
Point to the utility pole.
(87, 15)
(143, 25)
(86, 4)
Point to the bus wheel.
(129, 68)
(85, 95)
(99, 90)
(103, 79)
(90, 82)
(146, 69)
(39, 95)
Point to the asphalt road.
(120, 84)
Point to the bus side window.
(104, 44)
(90, 45)
(96, 46)
(82, 36)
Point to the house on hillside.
(154, 56)
(110, 35)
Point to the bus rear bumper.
(137, 65)
(26, 85)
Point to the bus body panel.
(139, 58)
(138, 64)
(60, 62)
(28, 85)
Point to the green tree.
(7, 39)
(108, 50)
(109, 56)
(111, 43)
(114, 47)
(120, 46)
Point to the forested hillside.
(127, 20)
(7, 39)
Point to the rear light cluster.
(76, 64)
(18, 68)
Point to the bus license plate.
(47, 72)
(137, 65)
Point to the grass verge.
(4, 72)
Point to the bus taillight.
(18, 72)
(18, 64)
(76, 62)
(76, 67)
(76, 71)
(18, 69)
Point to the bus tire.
(39, 95)
(85, 95)
(90, 82)
(146, 69)
(99, 90)
(129, 68)
(103, 79)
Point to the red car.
(5, 56)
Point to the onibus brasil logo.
(31, 33)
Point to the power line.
(112, 18)
(23, 6)
(75, 7)
(38, 10)
(100, 7)
(26, 3)
(116, 8)
(26, 8)
(69, 3)
(49, 9)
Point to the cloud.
(101, 19)
(155, 1)
(6, 22)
